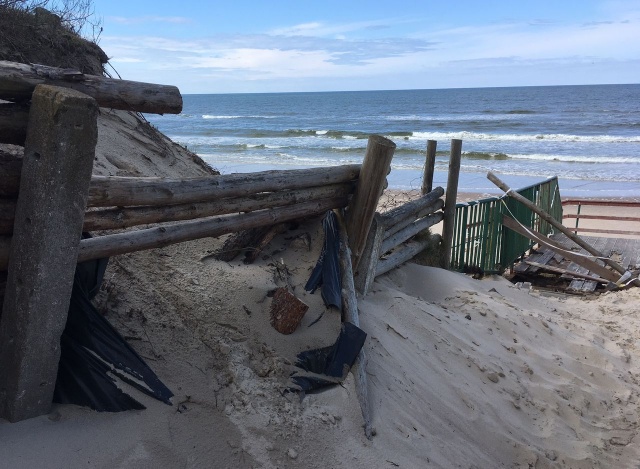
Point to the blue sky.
(282, 46)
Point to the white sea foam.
(474, 136)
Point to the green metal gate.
(480, 240)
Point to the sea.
(588, 136)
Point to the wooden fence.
(630, 223)
(45, 195)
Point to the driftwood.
(427, 210)
(286, 311)
(17, 82)
(366, 273)
(238, 242)
(582, 261)
(350, 312)
(13, 123)
(127, 191)
(255, 250)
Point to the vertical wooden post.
(429, 165)
(58, 160)
(376, 165)
(370, 256)
(450, 202)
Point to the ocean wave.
(562, 138)
(211, 116)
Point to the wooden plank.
(580, 260)
(17, 82)
(373, 176)
(567, 272)
(59, 155)
(548, 218)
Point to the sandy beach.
(461, 372)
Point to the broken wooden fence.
(628, 222)
(46, 193)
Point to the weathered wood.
(123, 217)
(559, 226)
(127, 191)
(59, 154)
(350, 313)
(286, 311)
(533, 235)
(376, 166)
(411, 230)
(450, 203)
(366, 274)
(264, 241)
(429, 166)
(17, 82)
(238, 242)
(13, 123)
(429, 209)
(401, 255)
(410, 210)
(150, 238)
(559, 270)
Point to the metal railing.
(481, 242)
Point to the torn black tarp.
(329, 365)
(327, 269)
(92, 350)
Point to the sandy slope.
(462, 373)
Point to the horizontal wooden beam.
(400, 225)
(599, 217)
(412, 208)
(127, 191)
(150, 238)
(17, 82)
(413, 229)
(401, 255)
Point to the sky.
(264, 46)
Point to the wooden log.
(376, 166)
(13, 123)
(410, 231)
(59, 155)
(429, 166)
(17, 82)
(350, 313)
(559, 226)
(391, 230)
(401, 255)
(410, 210)
(366, 274)
(585, 262)
(127, 191)
(150, 238)
(286, 311)
(117, 218)
(450, 203)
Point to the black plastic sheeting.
(334, 362)
(327, 269)
(91, 350)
